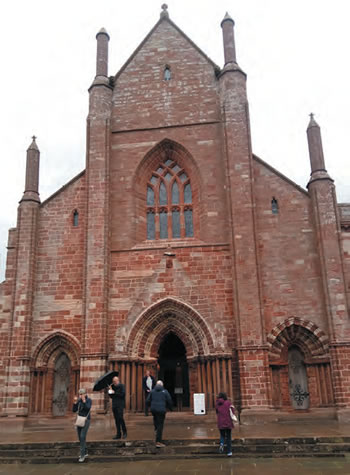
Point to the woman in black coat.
(82, 405)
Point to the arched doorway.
(168, 332)
(173, 369)
(55, 375)
(300, 366)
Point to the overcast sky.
(294, 53)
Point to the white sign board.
(199, 404)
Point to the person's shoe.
(221, 449)
(125, 435)
(159, 445)
(81, 459)
(229, 454)
(117, 437)
(86, 455)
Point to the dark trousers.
(118, 413)
(225, 438)
(82, 431)
(146, 404)
(158, 422)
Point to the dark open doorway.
(173, 369)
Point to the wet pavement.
(301, 466)
(177, 426)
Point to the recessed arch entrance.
(169, 332)
(300, 366)
(54, 375)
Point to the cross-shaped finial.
(164, 13)
(34, 138)
(312, 116)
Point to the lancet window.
(169, 202)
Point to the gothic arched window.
(75, 218)
(169, 202)
(274, 205)
(167, 73)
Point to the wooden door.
(61, 385)
(298, 387)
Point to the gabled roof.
(276, 172)
(167, 19)
(60, 190)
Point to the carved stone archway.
(210, 371)
(54, 356)
(312, 345)
(170, 315)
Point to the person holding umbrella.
(116, 392)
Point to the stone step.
(160, 456)
(99, 448)
(139, 450)
(183, 442)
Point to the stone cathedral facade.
(177, 249)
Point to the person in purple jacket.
(225, 425)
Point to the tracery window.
(169, 202)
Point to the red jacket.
(223, 414)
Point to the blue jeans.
(225, 436)
(82, 431)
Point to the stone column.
(94, 333)
(18, 382)
(237, 161)
(325, 210)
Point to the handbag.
(81, 420)
(232, 414)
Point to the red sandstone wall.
(59, 265)
(291, 284)
(6, 288)
(346, 250)
(142, 100)
(128, 195)
(200, 276)
(344, 214)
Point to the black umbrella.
(105, 380)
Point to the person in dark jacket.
(159, 400)
(117, 394)
(148, 383)
(225, 425)
(82, 405)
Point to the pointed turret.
(102, 38)
(31, 190)
(238, 164)
(101, 77)
(22, 310)
(227, 26)
(325, 211)
(318, 168)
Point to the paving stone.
(305, 466)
